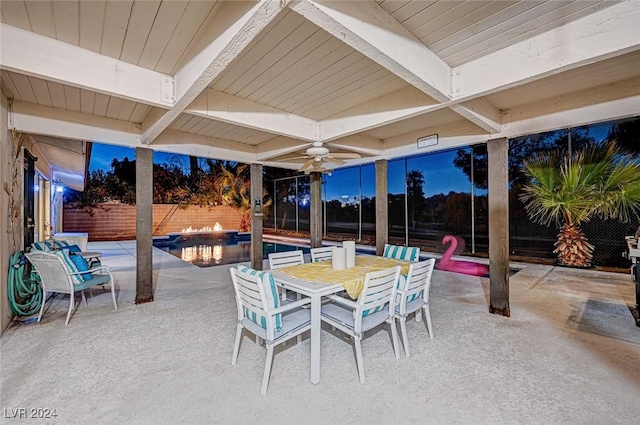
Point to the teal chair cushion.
(72, 267)
(81, 265)
(45, 246)
(67, 246)
(272, 297)
(407, 253)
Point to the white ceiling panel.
(433, 119)
(349, 76)
(606, 72)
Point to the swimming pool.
(228, 251)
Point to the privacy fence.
(118, 221)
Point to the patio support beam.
(28, 53)
(382, 205)
(498, 150)
(235, 110)
(256, 216)
(144, 225)
(315, 213)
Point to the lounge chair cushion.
(82, 265)
(67, 246)
(72, 267)
(45, 246)
(271, 294)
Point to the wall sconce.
(58, 186)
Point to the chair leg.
(405, 340)
(236, 345)
(359, 359)
(394, 338)
(113, 296)
(72, 302)
(84, 298)
(427, 312)
(44, 299)
(267, 369)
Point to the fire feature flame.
(216, 228)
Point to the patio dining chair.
(278, 260)
(407, 253)
(66, 274)
(261, 313)
(369, 311)
(321, 254)
(413, 297)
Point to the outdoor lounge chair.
(261, 313)
(413, 297)
(60, 274)
(369, 311)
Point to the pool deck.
(569, 354)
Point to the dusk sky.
(102, 155)
(439, 173)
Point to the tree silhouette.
(415, 195)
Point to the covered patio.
(312, 86)
(568, 355)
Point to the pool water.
(228, 251)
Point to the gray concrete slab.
(568, 355)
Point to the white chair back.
(278, 260)
(379, 288)
(321, 254)
(52, 272)
(251, 298)
(418, 280)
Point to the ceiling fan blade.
(335, 160)
(307, 164)
(295, 157)
(346, 155)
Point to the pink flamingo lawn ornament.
(466, 267)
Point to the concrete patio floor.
(569, 354)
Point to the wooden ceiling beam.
(611, 32)
(234, 26)
(235, 110)
(31, 54)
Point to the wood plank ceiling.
(258, 81)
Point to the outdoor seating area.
(570, 341)
(320, 212)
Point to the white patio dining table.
(315, 290)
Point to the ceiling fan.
(317, 155)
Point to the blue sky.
(440, 176)
(102, 155)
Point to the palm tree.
(571, 188)
(236, 181)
